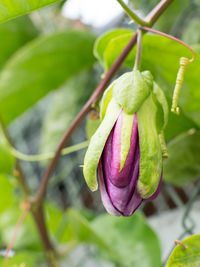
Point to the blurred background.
(37, 121)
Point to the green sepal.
(162, 107)
(107, 96)
(150, 149)
(97, 144)
(131, 89)
(126, 131)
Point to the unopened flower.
(126, 147)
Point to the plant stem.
(38, 215)
(139, 50)
(46, 156)
(157, 11)
(172, 38)
(133, 15)
(151, 17)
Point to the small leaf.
(102, 42)
(183, 164)
(187, 256)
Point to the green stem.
(50, 155)
(133, 15)
(139, 50)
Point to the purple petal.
(104, 195)
(120, 196)
(133, 205)
(118, 189)
(112, 154)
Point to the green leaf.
(15, 34)
(127, 241)
(183, 163)
(41, 66)
(67, 102)
(188, 256)
(11, 9)
(102, 42)
(161, 56)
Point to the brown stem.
(38, 215)
(157, 11)
(151, 18)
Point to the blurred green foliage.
(62, 65)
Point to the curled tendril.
(184, 62)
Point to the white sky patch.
(97, 13)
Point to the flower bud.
(126, 147)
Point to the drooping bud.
(126, 147)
